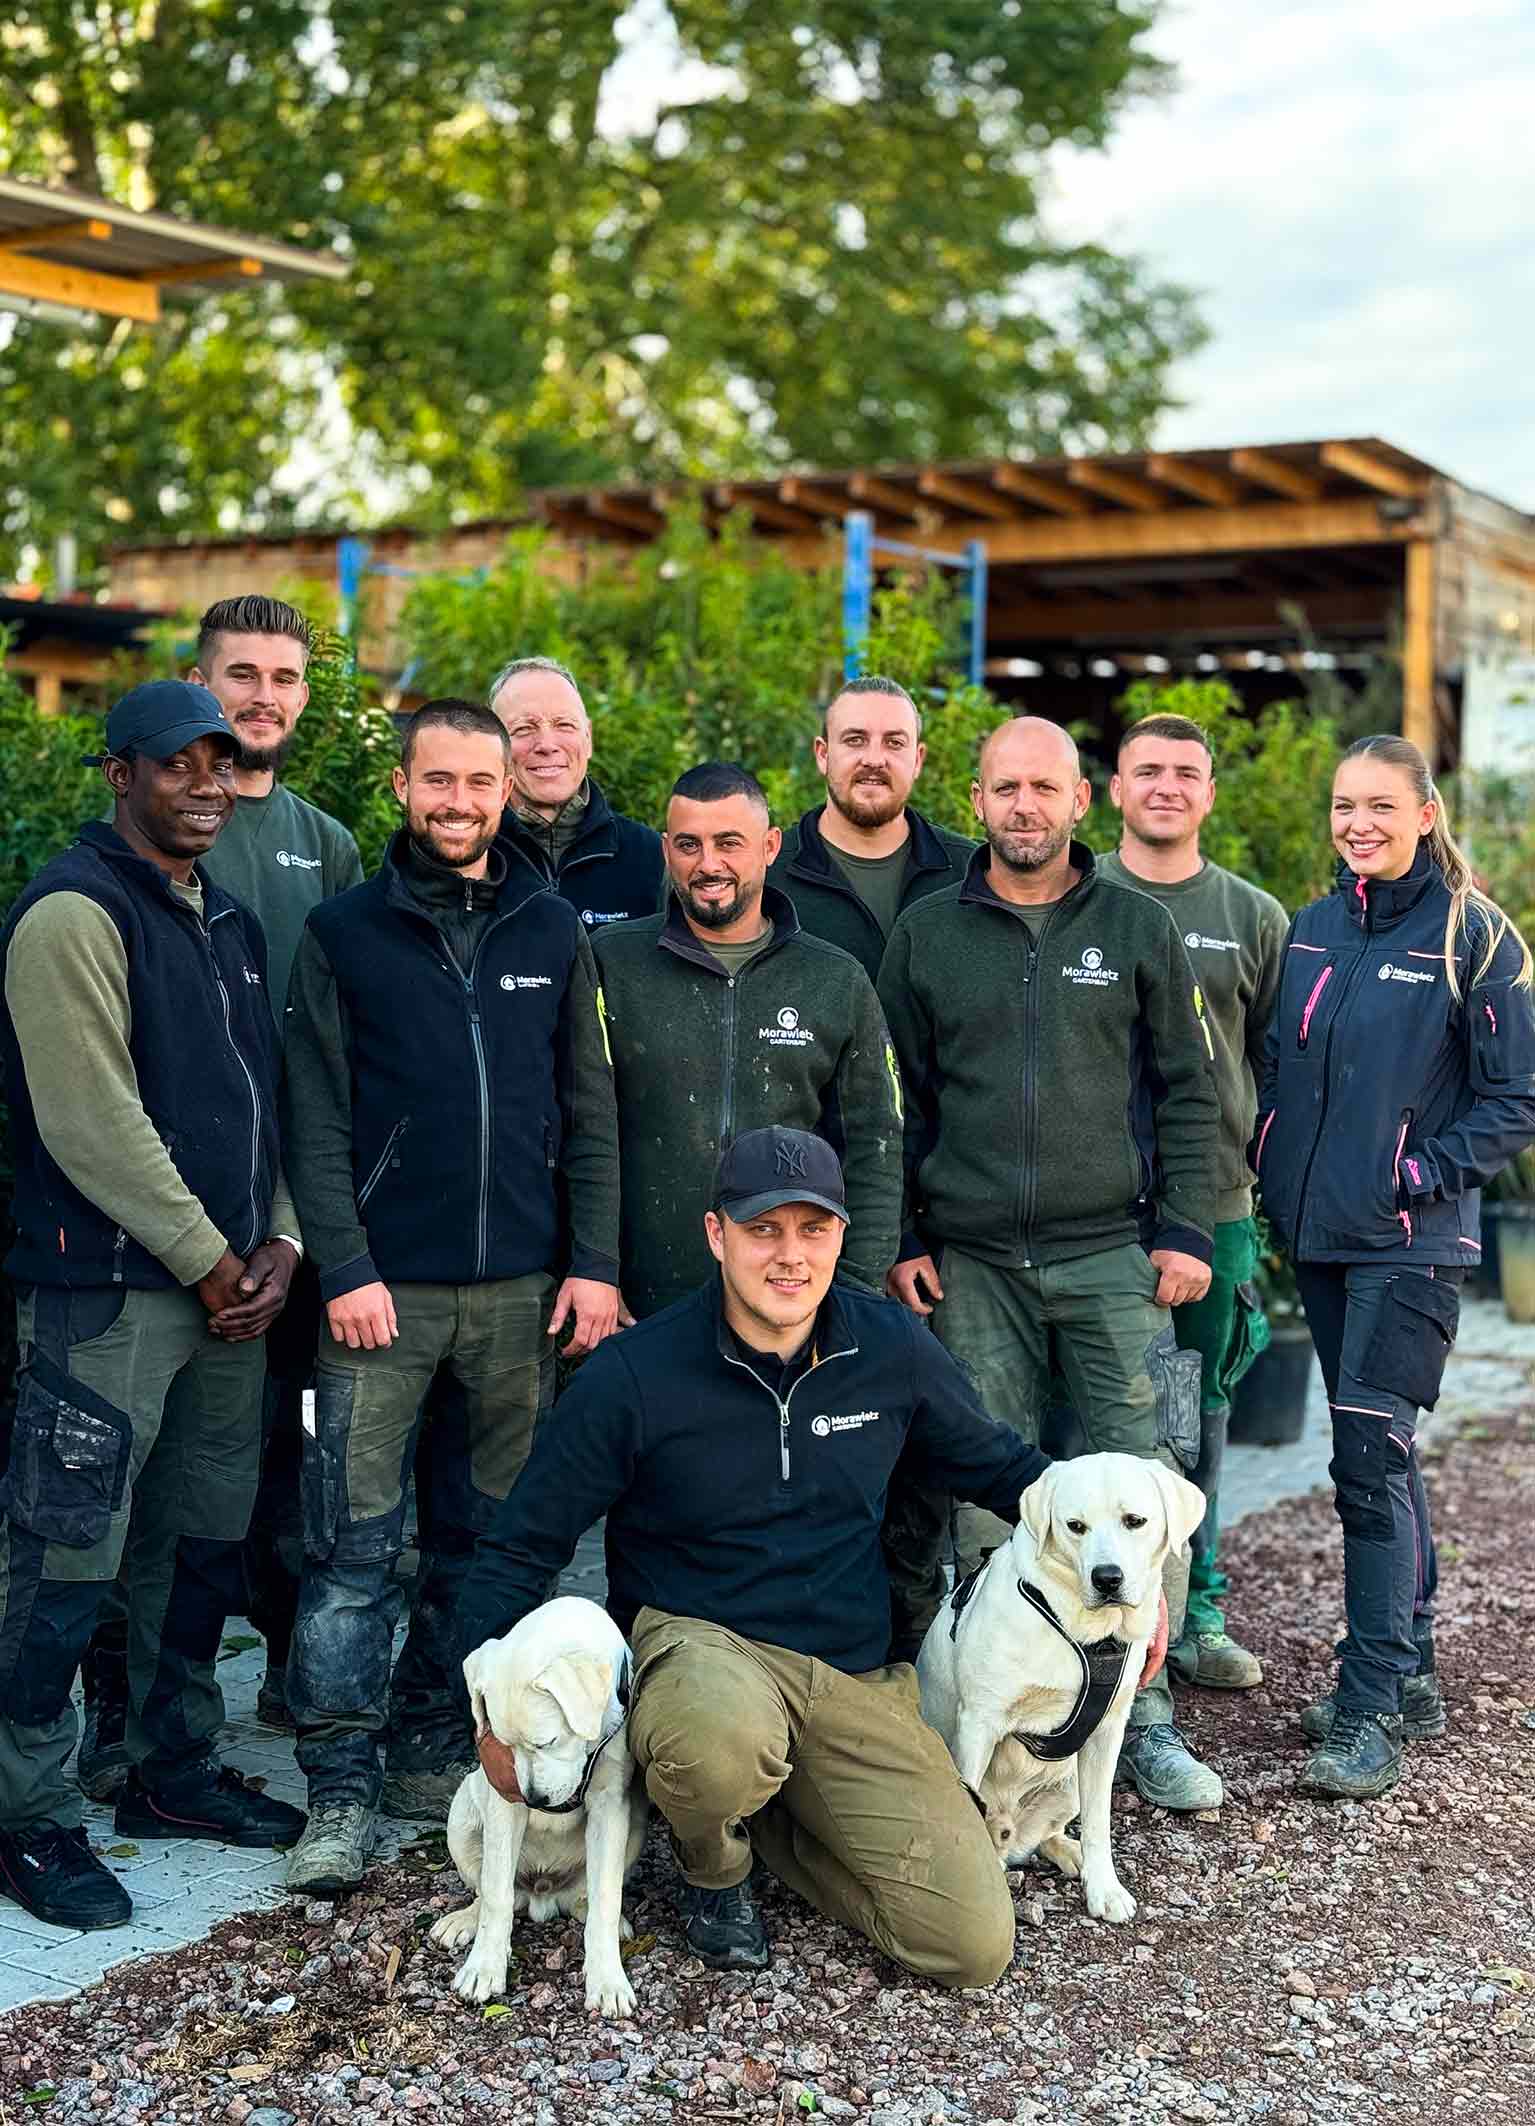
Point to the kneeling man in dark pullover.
(740, 1443)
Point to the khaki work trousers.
(836, 1781)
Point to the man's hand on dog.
(1156, 1652)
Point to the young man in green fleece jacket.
(724, 1016)
(1061, 1147)
(1234, 934)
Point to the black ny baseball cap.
(766, 1167)
(161, 717)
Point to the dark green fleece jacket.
(824, 900)
(700, 1055)
(1059, 1098)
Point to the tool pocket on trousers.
(1249, 1337)
(1175, 1377)
(1413, 1337)
(322, 1479)
(68, 1467)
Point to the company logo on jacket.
(1091, 970)
(823, 1427)
(592, 917)
(290, 862)
(1198, 942)
(527, 981)
(787, 1031)
(1388, 973)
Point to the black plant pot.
(1488, 1274)
(1269, 1406)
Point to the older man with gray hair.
(607, 866)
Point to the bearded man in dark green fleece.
(1234, 934)
(1061, 1144)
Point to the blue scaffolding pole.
(860, 543)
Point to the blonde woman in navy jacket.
(1400, 1079)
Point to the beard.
(719, 915)
(1033, 857)
(866, 801)
(424, 835)
(262, 760)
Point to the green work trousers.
(1228, 1330)
(137, 1444)
(1096, 1321)
(835, 1781)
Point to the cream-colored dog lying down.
(554, 1819)
(1029, 1668)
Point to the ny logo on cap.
(789, 1158)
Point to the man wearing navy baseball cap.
(153, 1249)
(740, 1444)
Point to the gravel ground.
(1300, 1964)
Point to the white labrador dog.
(1091, 1540)
(553, 1820)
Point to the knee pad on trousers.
(1359, 1473)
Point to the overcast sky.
(1351, 185)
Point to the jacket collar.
(597, 821)
(520, 883)
(813, 860)
(677, 933)
(832, 1330)
(1387, 900)
(977, 887)
(97, 834)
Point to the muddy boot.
(1423, 1713)
(101, 1769)
(724, 1928)
(1361, 1758)
(1214, 1661)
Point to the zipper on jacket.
(1404, 1216)
(1321, 1121)
(728, 1085)
(1268, 1124)
(250, 1081)
(118, 1244)
(1303, 1038)
(382, 1161)
(1027, 1074)
(781, 1402)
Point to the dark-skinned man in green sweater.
(1235, 935)
(1061, 1148)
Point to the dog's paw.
(625, 1931)
(1063, 1853)
(456, 1930)
(609, 1993)
(480, 1978)
(1109, 1900)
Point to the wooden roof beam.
(630, 516)
(1276, 474)
(78, 288)
(1045, 494)
(799, 494)
(873, 493)
(61, 232)
(967, 496)
(212, 269)
(1125, 488)
(1371, 471)
(764, 510)
(1203, 482)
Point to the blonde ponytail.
(1465, 894)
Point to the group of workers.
(316, 1174)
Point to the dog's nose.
(1108, 1579)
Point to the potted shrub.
(1268, 1406)
(1514, 1224)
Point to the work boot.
(214, 1802)
(272, 1700)
(1163, 1769)
(101, 1769)
(1423, 1713)
(1214, 1661)
(53, 1874)
(424, 1796)
(333, 1853)
(1361, 1758)
(723, 1928)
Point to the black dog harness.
(1103, 1668)
(578, 1798)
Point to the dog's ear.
(475, 1680)
(1034, 1509)
(580, 1686)
(1182, 1502)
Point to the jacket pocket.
(1303, 1033)
(1249, 1337)
(389, 1156)
(1175, 1375)
(1412, 1338)
(68, 1467)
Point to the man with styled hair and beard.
(449, 1123)
(724, 1016)
(1061, 1152)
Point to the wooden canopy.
(68, 251)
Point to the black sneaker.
(219, 1806)
(723, 1928)
(1361, 1758)
(53, 1874)
(101, 1769)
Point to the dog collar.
(1102, 1665)
(578, 1798)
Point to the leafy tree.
(828, 245)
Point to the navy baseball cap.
(161, 717)
(764, 1168)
